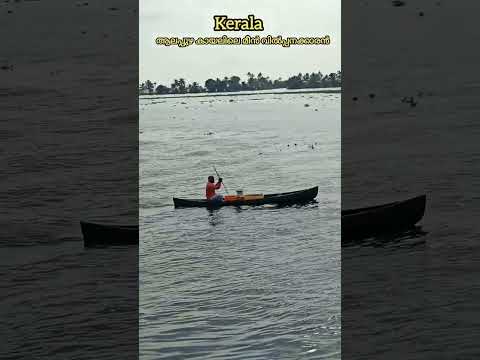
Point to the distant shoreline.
(242, 93)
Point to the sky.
(194, 18)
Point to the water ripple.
(240, 283)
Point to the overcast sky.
(195, 18)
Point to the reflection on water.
(214, 217)
(410, 237)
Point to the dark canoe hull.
(388, 218)
(288, 198)
(101, 234)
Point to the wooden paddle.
(222, 179)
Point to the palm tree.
(194, 88)
(251, 81)
(181, 86)
(149, 86)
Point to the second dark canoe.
(382, 219)
(288, 198)
(101, 234)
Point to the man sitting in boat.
(210, 189)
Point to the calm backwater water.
(250, 282)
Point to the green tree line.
(252, 82)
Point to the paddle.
(222, 179)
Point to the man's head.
(211, 179)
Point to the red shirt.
(210, 189)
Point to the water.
(250, 282)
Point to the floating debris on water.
(409, 100)
(295, 146)
(307, 105)
(398, 3)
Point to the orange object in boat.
(251, 197)
(231, 198)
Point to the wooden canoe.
(381, 219)
(287, 198)
(102, 234)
